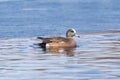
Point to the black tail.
(39, 37)
(42, 45)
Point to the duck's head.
(71, 33)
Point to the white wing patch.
(47, 46)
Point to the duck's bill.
(77, 36)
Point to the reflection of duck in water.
(59, 50)
(61, 43)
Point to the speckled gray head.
(71, 33)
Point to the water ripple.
(97, 57)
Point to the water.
(96, 57)
(30, 18)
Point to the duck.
(58, 41)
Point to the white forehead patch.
(74, 30)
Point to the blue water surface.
(96, 57)
(30, 18)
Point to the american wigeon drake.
(67, 41)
